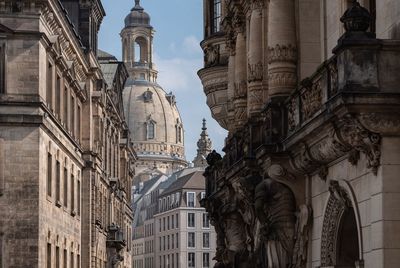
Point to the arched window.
(151, 130)
(215, 16)
(140, 50)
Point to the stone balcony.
(115, 237)
(214, 77)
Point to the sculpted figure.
(275, 210)
(235, 255)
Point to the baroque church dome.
(152, 114)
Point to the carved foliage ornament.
(338, 203)
(361, 140)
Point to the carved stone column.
(282, 58)
(255, 94)
(240, 94)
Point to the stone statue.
(236, 254)
(275, 210)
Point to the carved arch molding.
(338, 204)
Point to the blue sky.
(178, 56)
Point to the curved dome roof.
(137, 17)
(146, 102)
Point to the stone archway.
(340, 241)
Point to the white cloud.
(191, 45)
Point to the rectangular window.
(206, 221)
(191, 240)
(191, 199)
(58, 183)
(49, 85)
(206, 240)
(2, 68)
(65, 258)
(49, 173)
(168, 223)
(72, 111)
(58, 95)
(78, 261)
(172, 261)
(173, 241)
(164, 243)
(216, 16)
(57, 257)
(65, 187)
(172, 221)
(72, 193)
(191, 220)
(48, 255)
(164, 224)
(177, 240)
(65, 106)
(159, 223)
(78, 122)
(191, 260)
(160, 242)
(206, 260)
(177, 221)
(168, 242)
(72, 260)
(79, 197)
(177, 260)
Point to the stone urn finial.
(356, 18)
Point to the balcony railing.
(115, 238)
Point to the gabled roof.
(193, 180)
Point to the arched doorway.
(347, 240)
(340, 241)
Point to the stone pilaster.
(255, 74)
(282, 49)
(240, 92)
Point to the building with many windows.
(170, 227)
(309, 92)
(66, 159)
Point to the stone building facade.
(66, 161)
(308, 91)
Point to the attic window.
(148, 96)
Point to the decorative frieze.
(255, 72)
(311, 100)
(282, 53)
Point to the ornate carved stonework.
(293, 118)
(255, 72)
(211, 57)
(257, 4)
(241, 89)
(282, 79)
(361, 140)
(311, 100)
(338, 203)
(285, 53)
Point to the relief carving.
(241, 89)
(311, 100)
(293, 117)
(211, 57)
(256, 72)
(337, 204)
(282, 53)
(353, 134)
(282, 79)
